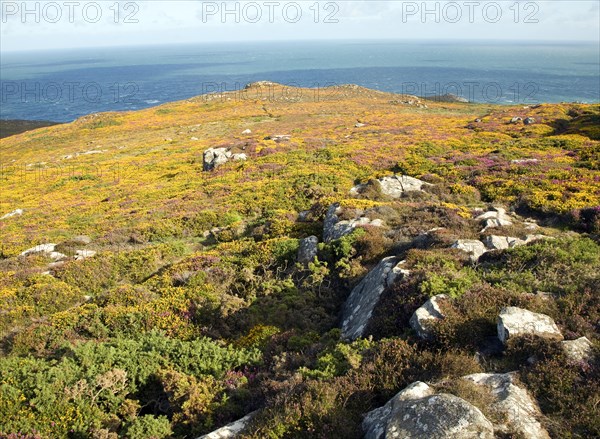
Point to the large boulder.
(230, 430)
(426, 315)
(307, 250)
(214, 157)
(395, 186)
(519, 411)
(334, 228)
(473, 247)
(364, 297)
(515, 322)
(578, 350)
(418, 413)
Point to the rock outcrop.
(519, 411)
(214, 157)
(473, 247)
(45, 248)
(514, 322)
(230, 430)
(364, 297)
(334, 228)
(578, 350)
(426, 315)
(394, 186)
(417, 412)
(495, 242)
(494, 218)
(307, 250)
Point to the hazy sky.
(75, 24)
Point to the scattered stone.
(230, 430)
(494, 242)
(41, 248)
(524, 161)
(83, 254)
(334, 228)
(359, 125)
(278, 138)
(307, 250)
(578, 350)
(473, 247)
(13, 213)
(519, 410)
(194, 138)
(516, 119)
(417, 413)
(364, 297)
(529, 121)
(515, 322)
(425, 316)
(247, 131)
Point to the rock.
(194, 138)
(214, 157)
(516, 119)
(307, 250)
(41, 248)
(536, 237)
(494, 218)
(519, 410)
(429, 313)
(168, 139)
(524, 161)
(247, 131)
(278, 138)
(82, 239)
(578, 350)
(13, 213)
(417, 413)
(494, 242)
(364, 297)
(477, 120)
(515, 322)
(82, 254)
(230, 430)
(529, 120)
(334, 229)
(473, 247)
(394, 186)
(240, 156)
(359, 125)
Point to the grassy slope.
(145, 202)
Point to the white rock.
(230, 430)
(394, 186)
(194, 138)
(519, 410)
(247, 131)
(41, 248)
(82, 254)
(494, 218)
(426, 315)
(473, 247)
(495, 242)
(359, 125)
(514, 322)
(578, 350)
(13, 213)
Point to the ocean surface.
(63, 85)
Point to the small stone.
(578, 350)
(307, 250)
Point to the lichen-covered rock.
(45, 248)
(417, 413)
(495, 242)
(519, 411)
(230, 430)
(578, 350)
(426, 315)
(473, 247)
(514, 322)
(82, 239)
(364, 297)
(83, 254)
(334, 228)
(494, 218)
(394, 186)
(214, 157)
(307, 250)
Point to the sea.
(62, 85)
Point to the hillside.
(168, 271)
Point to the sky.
(45, 25)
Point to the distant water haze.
(64, 85)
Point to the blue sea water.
(64, 85)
